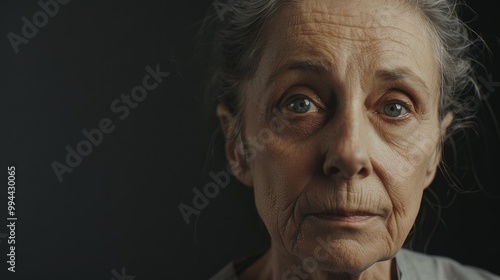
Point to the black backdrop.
(117, 212)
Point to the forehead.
(371, 35)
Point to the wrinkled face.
(342, 130)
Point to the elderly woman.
(347, 104)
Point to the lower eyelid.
(401, 118)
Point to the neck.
(275, 266)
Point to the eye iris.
(300, 105)
(393, 109)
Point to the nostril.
(347, 163)
(348, 173)
(334, 171)
(363, 171)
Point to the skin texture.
(338, 180)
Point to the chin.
(347, 257)
(349, 260)
(342, 253)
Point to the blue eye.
(395, 110)
(302, 105)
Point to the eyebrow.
(322, 67)
(309, 66)
(399, 74)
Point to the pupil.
(301, 106)
(393, 110)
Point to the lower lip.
(344, 219)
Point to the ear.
(436, 155)
(235, 152)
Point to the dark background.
(119, 207)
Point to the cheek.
(404, 173)
(281, 173)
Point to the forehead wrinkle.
(297, 20)
(391, 56)
(342, 39)
(301, 33)
(295, 38)
(320, 32)
(300, 15)
(329, 11)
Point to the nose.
(347, 148)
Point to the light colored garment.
(412, 266)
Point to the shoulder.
(414, 265)
(226, 273)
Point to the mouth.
(344, 216)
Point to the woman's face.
(341, 129)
